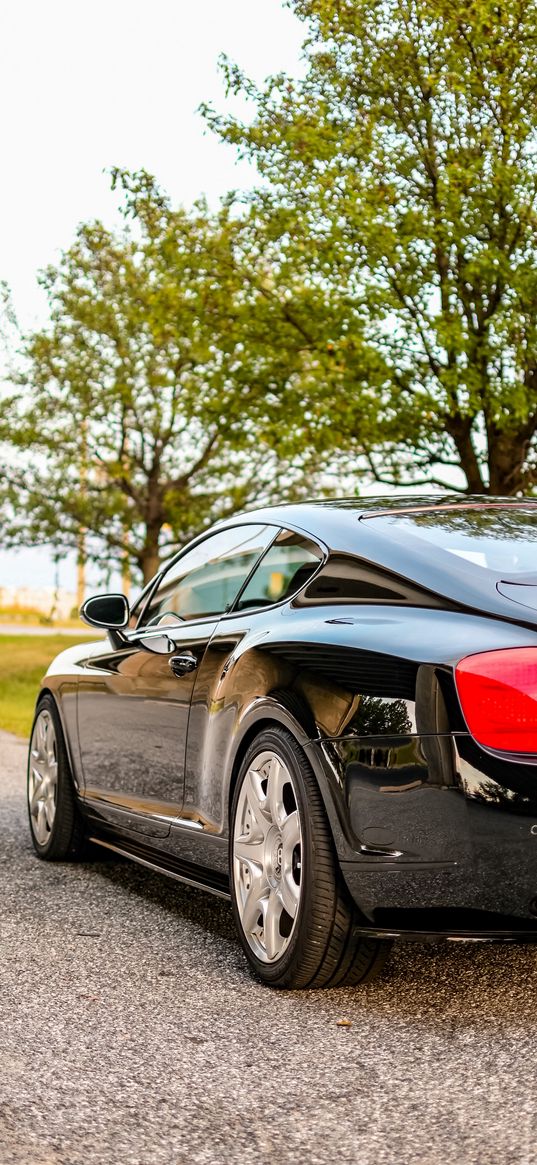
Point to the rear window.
(502, 540)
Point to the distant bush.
(17, 614)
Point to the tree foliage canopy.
(406, 158)
(374, 299)
(151, 404)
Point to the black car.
(325, 711)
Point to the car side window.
(206, 579)
(283, 570)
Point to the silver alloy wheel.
(43, 777)
(267, 856)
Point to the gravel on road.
(131, 1033)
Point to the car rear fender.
(286, 709)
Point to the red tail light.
(498, 695)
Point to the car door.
(134, 702)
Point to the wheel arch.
(279, 709)
(286, 710)
(46, 690)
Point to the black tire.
(325, 948)
(65, 836)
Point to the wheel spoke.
(40, 737)
(290, 894)
(272, 912)
(37, 783)
(256, 799)
(290, 836)
(254, 902)
(291, 844)
(277, 778)
(247, 849)
(41, 822)
(50, 811)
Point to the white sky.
(85, 86)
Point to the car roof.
(316, 514)
(393, 502)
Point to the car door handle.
(184, 663)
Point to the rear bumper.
(435, 837)
(425, 903)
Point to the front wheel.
(294, 916)
(55, 821)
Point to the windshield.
(493, 538)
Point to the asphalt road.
(131, 1033)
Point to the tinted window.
(344, 579)
(498, 538)
(283, 570)
(206, 579)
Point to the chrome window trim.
(146, 596)
(159, 578)
(325, 554)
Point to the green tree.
(9, 335)
(150, 406)
(406, 157)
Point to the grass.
(24, 660)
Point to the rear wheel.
(55, 821)
(295, 918)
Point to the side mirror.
(108, 611)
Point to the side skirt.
(191, 875)
(218, 884)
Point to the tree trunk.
(81, 568)
(460, 429)
(150, 556)
(507, 454)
